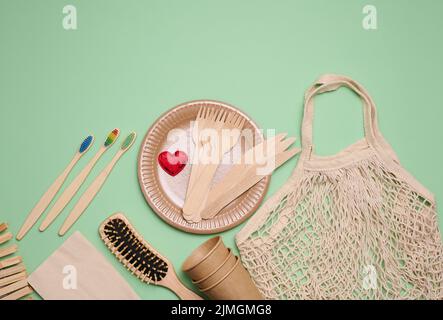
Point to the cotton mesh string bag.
(354, 225)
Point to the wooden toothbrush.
(46, 199)
(70, 191)
(95, 187)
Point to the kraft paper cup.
(219, 272)
(235, 285)
(205, 259)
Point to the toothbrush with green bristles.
(46, 199)
(70, 191)
(95, 186)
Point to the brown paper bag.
(77, 271)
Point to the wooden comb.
(140, 258)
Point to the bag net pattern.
(360, 231)
(317, 243)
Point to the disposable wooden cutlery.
(70, 191)
(204, 118)
(95, 187)
(12, 270)
(242, 177)
(13, 276)
(13, 287)
(8, 251)
(227, 130)
(46, 199)
(5, 237)
(259, 154)
(254, 156)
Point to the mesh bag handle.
(332, 82)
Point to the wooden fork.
(205, 116)
(226, 122)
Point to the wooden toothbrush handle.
(46, 199)
(70, 191)
(175, 285)
(88, 196)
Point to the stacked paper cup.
(219, 274)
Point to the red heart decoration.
(173, 164)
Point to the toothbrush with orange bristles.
(70, 191)
(46, 199)
(95, 186)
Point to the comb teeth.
(133, 251)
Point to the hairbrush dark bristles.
(139, 257)
(151, 266)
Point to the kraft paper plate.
(165, 194)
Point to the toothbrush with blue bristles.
(46, 199)
(95, 186)
(70, 191)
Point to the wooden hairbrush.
(140, 258)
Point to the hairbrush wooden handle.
(144, 261)
(175, 285)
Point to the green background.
(130, 61)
